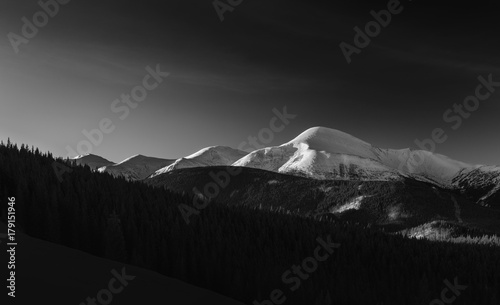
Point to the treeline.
(236, 251)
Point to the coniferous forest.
(240, 252)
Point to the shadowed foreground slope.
(52, 274)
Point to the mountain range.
(325, 154)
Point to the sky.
(226, 77)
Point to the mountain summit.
(137, 167)
(93, 161)
(209, 156)
(332, 140)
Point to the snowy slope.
(209, 156)
(483, 180)
(303, 161)
(137, 167)
(423, 165)
(325, 153)
(93, 161)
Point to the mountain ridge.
(326, 153)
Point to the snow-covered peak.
(93, 161)
(138, 159)
(334, 141)
(136, 167)
(209, 156)
(326, 136)
(222, 151)
(87, 156)
(322, 153)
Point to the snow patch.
(354, 204)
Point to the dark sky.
(226, 77)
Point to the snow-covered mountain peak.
(93, 161)
(136, 167)
(324, 134)
(209, 156)
(88, 157)
(83, 156)
(216, 150)
(333, 141)
(136, 158)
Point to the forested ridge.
(240, 252)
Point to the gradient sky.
(226, 77)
